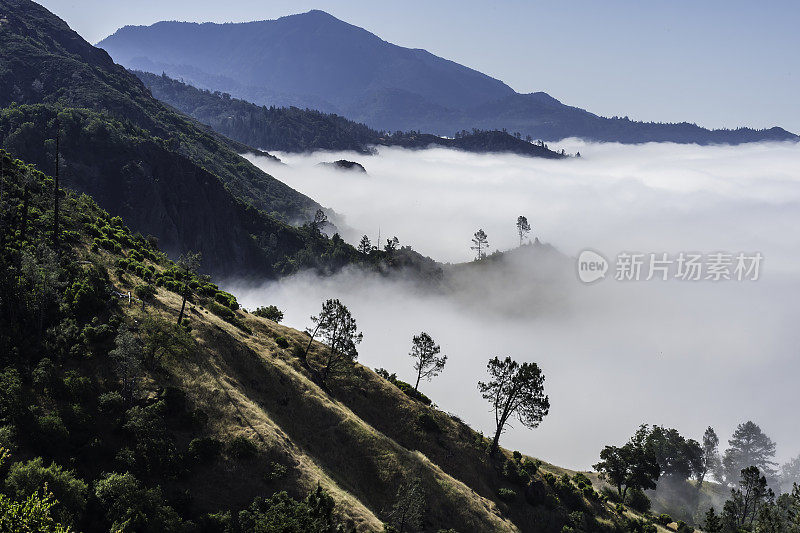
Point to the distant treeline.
(291, 129)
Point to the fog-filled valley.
(417, 300)
(687, 354)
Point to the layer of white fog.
(615, 354)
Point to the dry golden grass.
(249, 386)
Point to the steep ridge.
(47, 69)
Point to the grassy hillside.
(181, 427)
(290, 129)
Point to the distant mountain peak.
(318, 61)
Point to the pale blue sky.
(716, 63)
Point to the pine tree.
(425, 351)
(479, 242)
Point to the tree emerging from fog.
(523, 228)
(710, 454)
(748, 446)
(427, 362)
(339, 333)
(365, 246)
(480, 241)
(514, 391)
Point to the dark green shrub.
(610, 494)
(204, 450)
(269, 312)
(411, 392)
(403, 386)
(8, 437)
(145, 292)
(282, 342)
(664, 519)
(153, 443)
(427, 422)
(282, 513)
(515, 474)
(78, 387)
(129, 506)
(276, 471)
(506, 495)
(568, 493)
(683, 527)
(111, 405)
(70, 492)
(242, 448)
(581, 478)
(638, 500)
(531, 467)
(536, 492)
(45, 375)
(226, 299)
(52, 431)
(227, 315)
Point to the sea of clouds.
(615, 354)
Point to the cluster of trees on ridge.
(657, 454)
(290, 129)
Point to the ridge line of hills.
(307, 61)
(290, 129)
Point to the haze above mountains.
(317, 61)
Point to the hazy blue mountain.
(315, 60)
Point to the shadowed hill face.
(168, 175)
(315, 60)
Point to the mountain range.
(317, 61)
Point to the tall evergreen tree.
(365, 246)
(749, 446)
(339, 333)
(479, 243)
(710, 454)
(523, 228)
